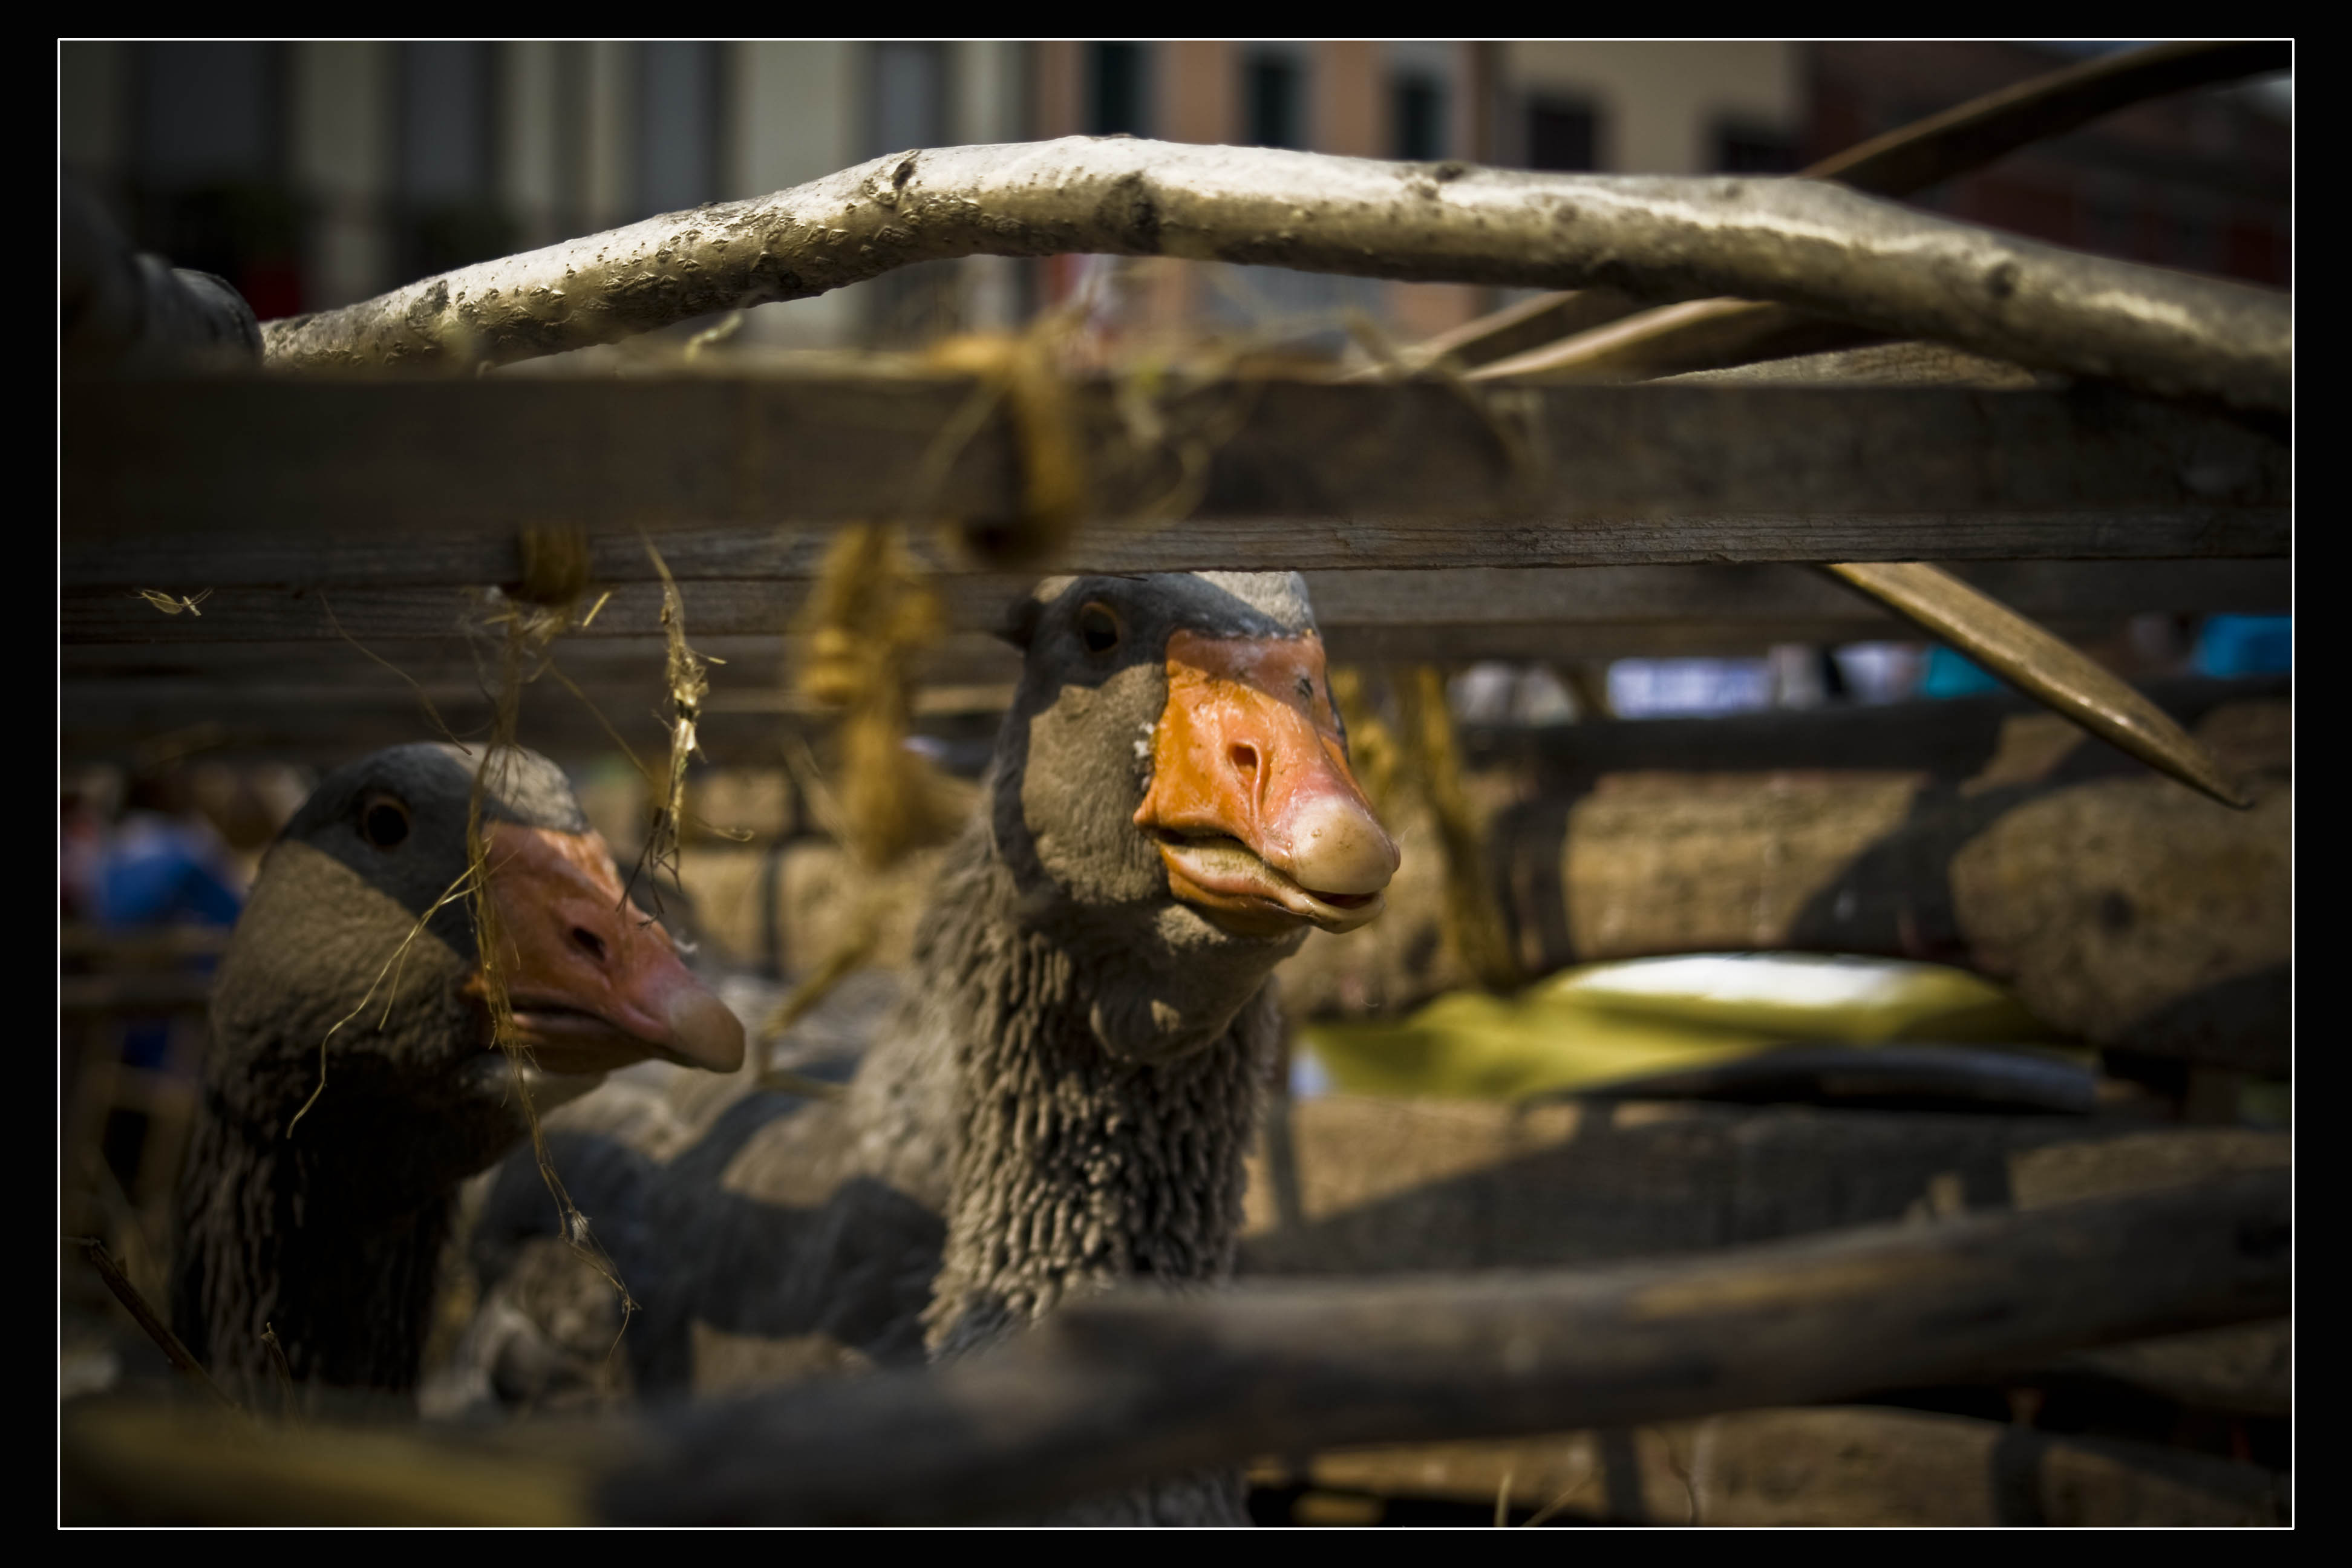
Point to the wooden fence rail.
(272, 481)
(1530, 612)
(1112, 1392)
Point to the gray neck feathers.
(264, 1243)
(1075, 1169)
(329, 1233)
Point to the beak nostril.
(589, 943)
(1243, 758)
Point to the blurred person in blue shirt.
(163, 865)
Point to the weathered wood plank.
(1390, 1186)
(334, 726)
(1343, 596)
(1763, 593)
(1281, 1368)
(1563, 476)
(1386, 1186)
(1854, 1467)
(1111, 1391)
(1374, 614)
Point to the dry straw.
(867, 624)
(171, 606)
(555, 578)
(544, 605)
(1419, 759)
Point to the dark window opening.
(679, 116)
(1417, 117)
(1273, 93)
(910, 95)
(911, 305)
(1117, 97)
(1563, 135)
(207, 186)
(449, 212)
(1753, 150)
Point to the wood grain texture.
(1805, 243)
(1368, 614)
(1117, 1389)
(1561, 476)
(1851, 1466)
(1410, 1187)
(2035, 660)
(1905, 160)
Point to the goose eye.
(383, 822)
(1099, 627)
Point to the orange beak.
(593, 982)
(1259, 821)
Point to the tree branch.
(1115, 1391)
(1910, 158)
(1110, 1392)
(1795, 242)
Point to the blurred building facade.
(2200, 180)
(314, 173)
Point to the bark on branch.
(1801, 243)
(1113, 1392)
(1118, 1390)
(1911, 158)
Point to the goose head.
(357, 962)
(1174, 783)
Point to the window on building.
(1563, 134)
(1417, 117)
(679, 119)
(911, 305)
(446, 142)
(910, 95)
(1118, 90)
(1274, 101)
(1742, 147)
(207, 182)
(208, 112)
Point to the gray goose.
(1065, 1098)
(330, 1232)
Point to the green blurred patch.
(2267, 1102)
(1587, 1027)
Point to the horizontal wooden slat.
(1433, 1187)
(108, 682)
(1110, 1391)
(565, 731)
(1843, 1467)
(330, 699)
(348, 477)
(1770, 592)
(1739, 607)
